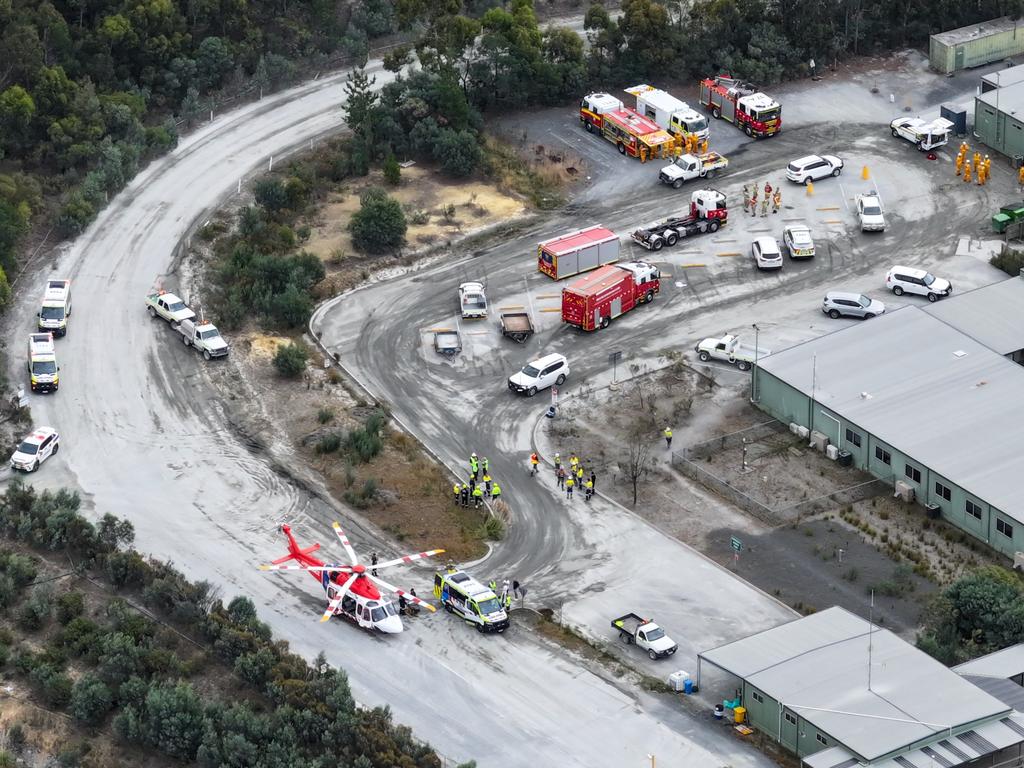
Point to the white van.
(56, 307)
(540, 374)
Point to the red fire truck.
(632, 133)
(754, 113)
(577, 252)
(594, 106)
(595, 299)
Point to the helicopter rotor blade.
(345, 543)
(333, 605)
(408, 558)
(400, 592)
(313, 568)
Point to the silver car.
(839, 304)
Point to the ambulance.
(470, 600)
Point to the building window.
(942, 491)
(1004, 528)
(912, 472)
(791, 719)
(757, 697)
(853, 437)
(821, 739)
(974, 510)
(883, 456)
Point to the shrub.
(271, 195)
(53, 684)
(325, 415)
(392, 171)
(1010, 260)
(365, 496)
(492, 529)
(174, 720)
(91, 700)
(329, 443)
(69, 606)
(379, 225)
(35, 612)
(290, 360)
(458, 152)
(255, 667)
(9, 591)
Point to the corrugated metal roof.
(992, 315)
(943, 399)
(820, 662)
(1008, 99)
(1005, 664)
(976, 31)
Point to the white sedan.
(766, 252)
(869, 210)
(37, 447)
(472, 300)
(798, 241)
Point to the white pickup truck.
(169, 307)
(728, 349)
(472, 300)
(686, 167)
(204, 337)
(926, 136)
(644, 634)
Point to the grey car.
(839, 304)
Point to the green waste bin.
(1000, 222)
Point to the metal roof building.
(976, 44)
(1005, 664)
(841, 692)
(999, 118)
(1001, 78)
(917, 402)
(990, 315)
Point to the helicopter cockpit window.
(389, 609)
(378, 614)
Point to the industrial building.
(1002, 78)
(975, 45)
(918, 401)
(840, 692)
(999, 119)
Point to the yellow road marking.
(551, 309)
(830, 208)
(729, 253)
(833, 221)
(691, 266)
(511, 306)
(477, 333)
(549, 296)
(666, 274)
(439, 330)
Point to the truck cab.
(592, 108)
(169, 307)
(42, 363)
(689, 122)
(55, 308)
(470, 600)
(644, 634)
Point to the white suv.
(36, 448)
(766, 253)
(813, 167)
(902, 280)
(540, 374)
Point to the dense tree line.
(269, 708)
(977, 614)
(89, 89)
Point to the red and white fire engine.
(596, 299)
(753, 112)
(631, 133)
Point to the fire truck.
(753, 112)
(576, 252)
(708, 212)
(632, 133)
(595, 299)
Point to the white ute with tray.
(728, 349)
(204, 337)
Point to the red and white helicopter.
(352, 589)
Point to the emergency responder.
(573, 462)
(474, 465)
(980, 173)
(704, 147)
(776, 201)
(465, 495)
(458, 492)
(960, 164)
(588, 489)
(668, 438)
(753, 200)
(569, 482)
(967, 171)
(373, 563)
(988, 167)
(487, 483)
(495, 492)
(977, 160)
(493, 586)
(593, 479)
(478, 496)
(486, 465)
(746, 197)
(964, 148)
(534, 461)
(472, 484)
(558, 462)
(1020, 178)
(764, 205)
(579, 475)
(767, 189)
(560, 476)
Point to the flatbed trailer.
(517, 326)
(447, 342)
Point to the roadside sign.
(737, 544)
(22, 399)
(554, 395)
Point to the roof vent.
(865, 396)
(959, 353)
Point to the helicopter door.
(363, 616)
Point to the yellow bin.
(740, 714)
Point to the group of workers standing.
(977, 165)
(480, 486)
(771, 195)
(573, 477)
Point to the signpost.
(737, 547)
(613, 358)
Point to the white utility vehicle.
(472, 300)
(925, 135)
(169, 307)
(687, 167)
(869, 211)
(204, 337)
(728, 349)
(644, 634)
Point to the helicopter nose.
(390, 625)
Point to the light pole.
(651, 758)
(753, 377)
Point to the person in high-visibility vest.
(579, 474)
(967, 171)
(465, 495)
(478, 496)
(960, 164)
(534, 461)
(495, 492)
(1020, 177)
(457, 490)
(776, 201)
(569, 482)
(486, 465)
(977, 160)
(668, 437)
(558, 456)
(487, 483)
(588, 488)
(746, 196)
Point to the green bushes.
(290, 359)
(379, 225)
(91, 700)
(1010, 260)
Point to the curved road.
(145, 438)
